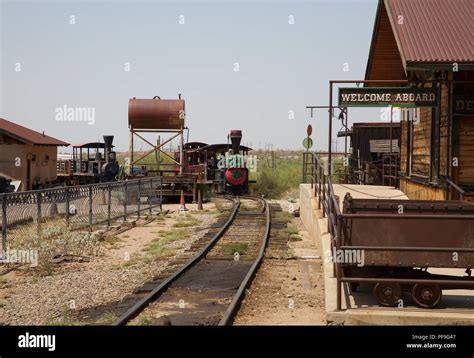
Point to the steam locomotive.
(224, 167)
(90, 163)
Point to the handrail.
(457, 187)
(328, 202)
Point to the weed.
(107, 319)
(234, 247)
(285, 234)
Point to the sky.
(249, 65)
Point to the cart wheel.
(426, 296)
(388, 293)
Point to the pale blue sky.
(283, 67)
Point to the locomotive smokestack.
(108, 140)
(235, 138)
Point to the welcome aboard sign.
(386, 96)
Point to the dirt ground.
(125, 262)
(288, 288)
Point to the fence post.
(67, 206)
(4, 223)
(150, 195)
(161, 193)
(125, 198)
(109, 199)
(338, 266)
(90, 208)
(324, 196)
(319, 187)
(38, 212)
(139, 196)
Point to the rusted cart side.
(396, 241)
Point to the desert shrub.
(276, 181)
(56, 240)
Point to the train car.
(90, 163)
(412, 252)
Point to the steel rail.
(233, 307)
(157, 291)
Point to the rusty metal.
(156, 113)
(426, 296)
(388, 293)
(465, 282)
(413, 237)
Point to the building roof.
(27, 135)
(348, 133)
(223, 147)
(433, 30)
(376, 124)
(91, 145)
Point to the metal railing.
(76, 207)
(456, 187)
(321, 182)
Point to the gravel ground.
(26, 299)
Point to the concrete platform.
(361, 308)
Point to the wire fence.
(26, 213)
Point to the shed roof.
(27, 135)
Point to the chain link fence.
(78, 207)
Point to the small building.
(429, 42)
(28, 156)
(375, 147)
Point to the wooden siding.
(404, 147)
(422, 144)
(385, 62)
(466, 150)
(444, 123)
(417, 191)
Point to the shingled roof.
(27, 135)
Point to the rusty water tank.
(156, 113)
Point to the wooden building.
(370, 161)
(27, 156)
(430, 43)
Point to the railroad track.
(209, 288)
